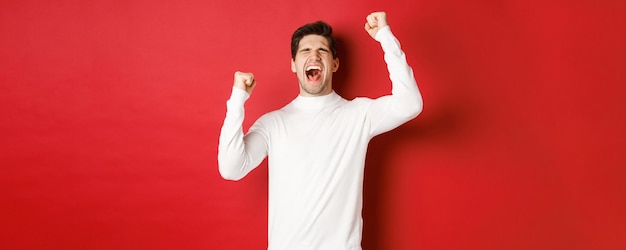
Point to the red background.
(110, 114)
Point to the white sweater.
(316, 150)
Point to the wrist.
(238, 95)
(381, 32)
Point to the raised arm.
(238, 154)
(405, 101)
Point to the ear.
(335, 64)
(293, 66)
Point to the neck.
(317, 101)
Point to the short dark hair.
(317, 28)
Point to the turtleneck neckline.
(316, 102)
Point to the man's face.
(314, 66)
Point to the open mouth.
(313, 73)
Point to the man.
(316, 144)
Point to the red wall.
(110, 114)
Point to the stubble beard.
(314, 90)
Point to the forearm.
(405, 93)
(237, 154)
(405, 102)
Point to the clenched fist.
(245, 81)
(375, 22)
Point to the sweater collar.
(316, 102)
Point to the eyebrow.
(324, 48)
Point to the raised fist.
(245, 81)
(375, 22)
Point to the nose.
(316, 55)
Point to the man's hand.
(375, 22)
(245, 81)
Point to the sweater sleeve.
(238, 154)
(405, 101)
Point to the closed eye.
(306, 50)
